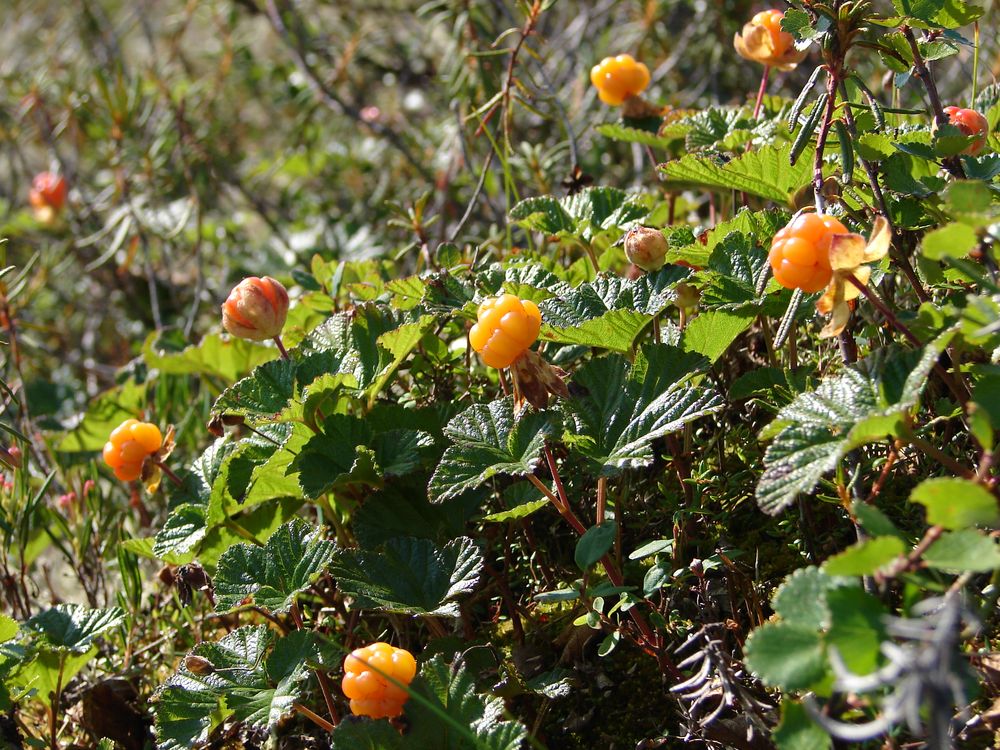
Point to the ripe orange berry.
(800, 253)
(618, 78)
(970, 123)
(762, 40)
(128, 446)
(507, 326)
(48, 190)
(256, 309)
(367, 673)
(771, 20)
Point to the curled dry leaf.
(535, 379)
(848, 255)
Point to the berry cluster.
(129, 445)
(800, 253)
(366, 680)
(506, 328)
(619, 78)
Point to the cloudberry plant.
(506, 328)
(129, 445)
(971, 123)
(618, 78)
(367, 683)
(800, 253)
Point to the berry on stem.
(506, 328)
(619, 78)
(646, 248)
(128, 446)
(971, 123)
(762, 40)
(256, 309)
(800, 253)
(367, 683)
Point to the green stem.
(241, 532)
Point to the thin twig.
(334, 101)
(922, 72)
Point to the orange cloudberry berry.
(762, 40)
(128, 446)
(800, 253)
(971, 123)
(618, 78)
(506, 328)
(367, 683)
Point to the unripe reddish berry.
(800, 253)
(256, 309)
(646, 248)
(367, 673)
(48, 189)
(506, 328)
(47, 195)
(619, 78)
(971, 123)
(128, 447)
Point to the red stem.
(761, 92)
(281, 347)
(170, 474)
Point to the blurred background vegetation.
(208, 139)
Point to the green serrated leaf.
(949, 241)
(619, 132)
(820, 427)
(801, 599)
(764, 172)
(255, 686)
(865, 557)
(453, 715)
(409, 575)
(711, 332)
(621, 412)
(787, 656)
(215, 356)
(70, 627)
(273, 575)
(963, 551)
(956, 503)
(489, 441)
(857, 627)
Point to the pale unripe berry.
(256, 309)
(646, 248)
